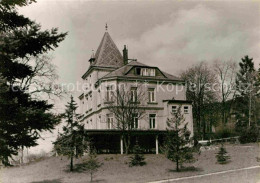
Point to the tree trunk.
(125, 144)
(199, 123)
(223, 113)
(178, 157)
(204, 128)
(250, 108)
(21, 162)
(127, 141)
(177, 165)
(91, 176)
(71, 163)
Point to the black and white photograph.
(129, 91)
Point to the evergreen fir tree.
(22, 116)
(138, 157)
(91, 164)
(246, 91)
(222, 156)
(178, 143)
(72, 141)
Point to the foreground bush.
(248, 136)
(91, 164)
(222, 156)
(138, 158)
(225, 132)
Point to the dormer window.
(138, 71)
(145, 71)
(152, 72)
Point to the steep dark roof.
(122, 71)
(109, 57)
(107, 54)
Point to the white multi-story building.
(163, 93)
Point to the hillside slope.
(116, 169)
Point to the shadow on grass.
(80, 168)
(49, 181)
(187, 169)
(77, 168)
(98, 180)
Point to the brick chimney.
(125, 55)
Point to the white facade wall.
(188, 116)
(93, 102)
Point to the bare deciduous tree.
(200, 83)
(226, 76)
(43, 80)
(126, 106)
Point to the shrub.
(91, 164)
(222, 155)
(138, 158)
(225, 133)
(250, 135)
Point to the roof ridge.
(120, 72)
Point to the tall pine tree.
(22, 116)
(72, 141)
(246, 92)
(178, 143)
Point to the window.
(90, 101)
(110, 121)
(99, 121)
(151, 93)
(109, 93)
(98, 97)
(152, 72)
(174, 109)
(186, 109)
(82, 101)
(152, 121)
(134, 94)
(81, 106)
(135, 121)
(138, 71)
(87, 102)
(91, 124)
(145, 71)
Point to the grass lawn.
(116, 169)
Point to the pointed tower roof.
(107, 54)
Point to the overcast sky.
(172, 35)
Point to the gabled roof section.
(107, 54)
(172, 77)
(125, 72)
